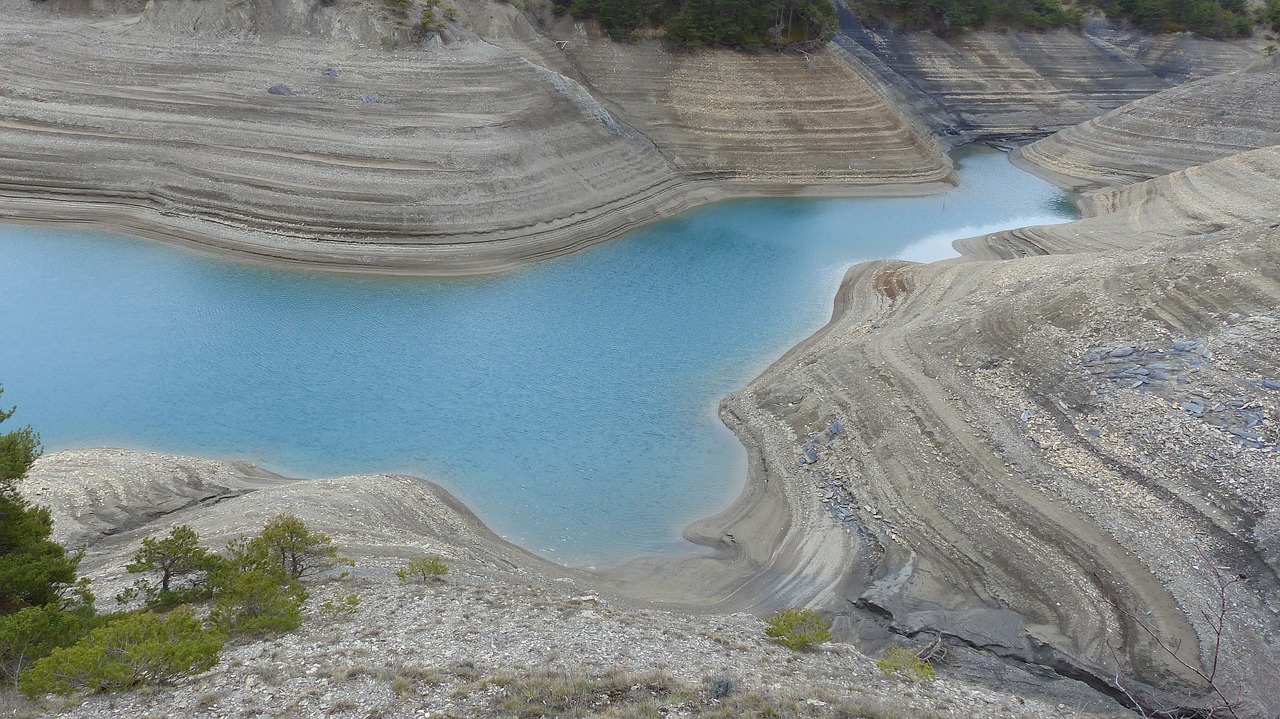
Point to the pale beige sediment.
(473, 157)
(971, 509)
(1172, 130)
(1238, 190)
(1019, 84)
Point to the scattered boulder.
(280, 89)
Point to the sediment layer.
(1175, 129)
(1021, 84)
(460, 645)
(1235, 191)
(466, 158)
(1039, 453)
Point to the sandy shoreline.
(473, 257)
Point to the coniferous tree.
(33, 569)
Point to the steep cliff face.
(1185, 126)
(1026, 84)
(765, 118)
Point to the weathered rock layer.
(462, 159)
(1065, 457)
(1020, 84)
(1185, 126)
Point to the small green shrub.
(341, 607)
(721, 687)
(903, 664)
(134, 650)
(423, 568)
(177, 568)
(31, 634)
(798, 628)
(287, 543)
(257, 602)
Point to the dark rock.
(1193, 407)
(280, 89)
(1122, 352)
(1184, 345)
(369, 99)
(1270, 384)
(329, 72)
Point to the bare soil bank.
(487, 153)
(1042, 449)
(458, 648)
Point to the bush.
(341, 607)
(288, 544)
(1269, 15)
(423, 568)
(32, 633)
(135, 650)
(798, 628)
(900, 662)
(33, 569)
(180, 566)
(721, 687)
(257, 602)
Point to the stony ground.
(502, 626)
(1043, 454)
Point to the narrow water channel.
(571, 404)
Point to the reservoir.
(571, 404)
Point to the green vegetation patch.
(798, 628)
(779, 24)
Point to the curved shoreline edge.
(497, 253)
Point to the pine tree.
(33, 570)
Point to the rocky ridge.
(462, 647)
(1082, 437)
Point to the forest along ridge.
(1049, 457)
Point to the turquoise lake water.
(572, 404)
